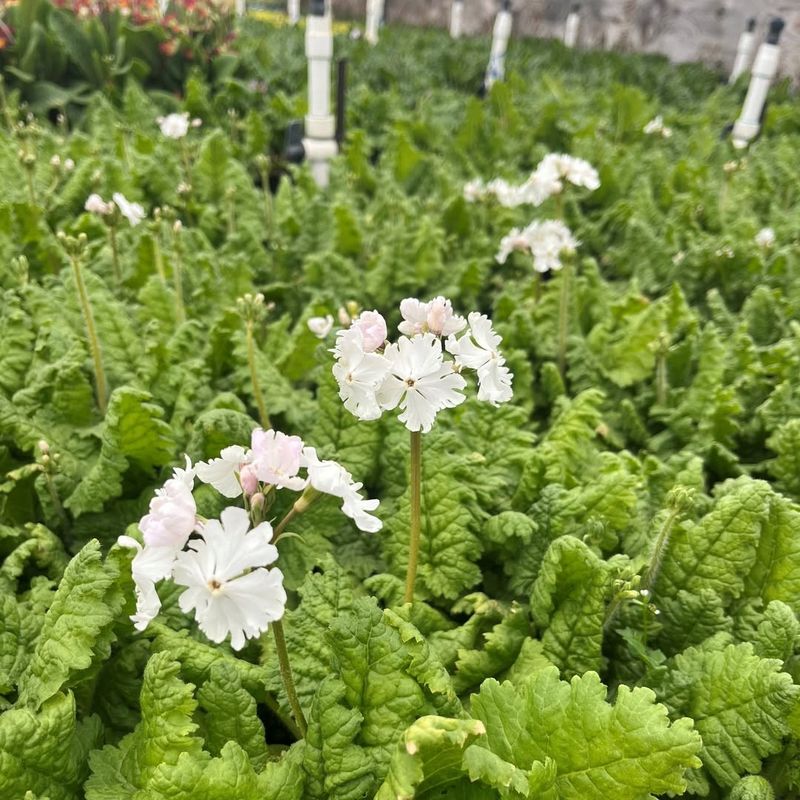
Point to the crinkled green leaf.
(739, 701)
(231, 715)
(566, 740)
(785, 441)
(166, 731)
(81, 609)
(45, 750)
(133, 432)
(752, 787)
(569, 602)
(428, 757)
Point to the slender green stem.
(416, 512)
(281, 526)
(158, 259)
(177, 276)
(563, 318)
(257, 393)
(91, 333)
(286, 675)
(273, 706)
(112, 235)
(31, 190)
(268, 210)
(662, 384)
(537, 287)
(662, 542)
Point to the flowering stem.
(286, 675)
(31, 190)
(659, 550)
(563, 319)
(416, 487)
(91, 333)
(257, 393)
(112, 235)
(662, 385)
(177, 275)
(158, 259)
(537, 287)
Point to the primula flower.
(656, 126)
(515, 240)
(479, 350)
(372, 327)
(474, 190)
(150, 565)
(435, 316)
(359, 374)
(222, 473)
(548, 241)
(96, 205)
(275, 459)
(320, 326)
(173, 513)
(419, 381)
(226, 583)
(174, 126)
(133, 212)
(765, 238)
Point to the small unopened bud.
(177, 226)
(44, 448)
(343, 317)
(257, 500)
(197, 122)
(69, 165)
(55, 161)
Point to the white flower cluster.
(176, 126)
(415, 374)
(224, 569)
(656, 126)
(545, 181)
(765, 238)
(133, 212)
(546, 241)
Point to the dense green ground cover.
(665, 459)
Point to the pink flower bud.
(372, 327)
(249, 479)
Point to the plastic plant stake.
(500, 35)
(293, 11)
(374, 17)
(745, 50)
(320, 126)
(241, 8)
(456, 18)
(748, 125)
(573, 26)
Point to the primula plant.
(226, 568)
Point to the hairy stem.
(257, 393)
(662, 542)
(563, 318)
(286, 675)
(112, 235)
(177, 276)
(91, 333)
(158, 259)
(662, 384)
(416, 510)
(31, 190)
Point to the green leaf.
(718, 552)
(231, 715)
(753, 787)
(166, 731)
(133, 432)
(740, 703)
(45, 750)
(785, 441)
(428, 757)
(549, 738)
(568, 604)
(82, 608)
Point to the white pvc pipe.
(749, 123)
(571, 29)
(456, 18)
(320, 126)
(241, 8)
(293, 11)
(374, 18)
(501, 33)
(744, 55)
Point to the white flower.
(479, 350)
(96, 205)
(765, 238)
(133, 212)
(359, 375)
(150, 565)
(69, 165)
(174, 126)
(173, 513)
(55, 161)
(435, 316)
(514, 240)
(548, 241)
(419, 381)
(372, 327)
(330, 477)
(320, 326)
(275, 459)
(555, 166)
(544, 182)
(474, 190)
(507, 195)
(656, 125)
(226, 583)
(223, 472)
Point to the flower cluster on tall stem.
(111, 213)
(420, 374)
(226, 565)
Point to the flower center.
(410, 382)
(215, 586)
(349, 377)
